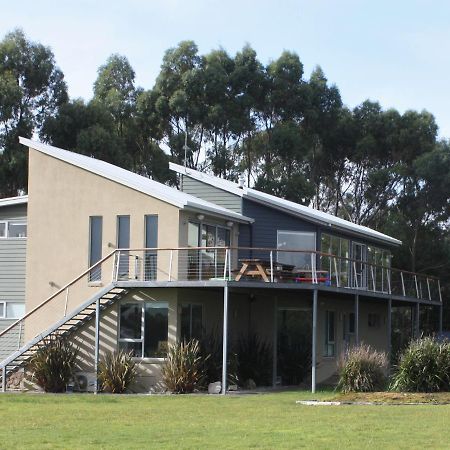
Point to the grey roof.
(287, 206)
(9, 201)
(137, 182)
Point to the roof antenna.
(241, 182)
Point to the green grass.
(255, 421)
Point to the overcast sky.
(396, 51)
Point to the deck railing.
(273, 266)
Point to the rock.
(215, 388)
(232, 387)
(250, 384)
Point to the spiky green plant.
(362, 369)
(53, 364)
(116, 371)
(424, 366)
(183, 370)
(254, 357)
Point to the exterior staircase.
(65, 326)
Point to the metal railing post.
(429, 290)
(439, 290)
(113, 266)
(136, 267)
(417, 288)
(66, 302)
(354, 275)
(403, 284)
(373, 279)
(20, 335)
(388, 276)
(225, 265)
(230, 253)
(170, 264)
(271, 266)
(338, 284)
(116, 276)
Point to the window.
(191, 322)
(338, 268)
(14, 228)
(296, 240)
(329, 347)
(151, 241)
(207, 263)
(143, 328)
(123, 241)
(95, 247)
(11, 310)
(380, 262)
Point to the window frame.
(141, 340)
(327, 341)
(14, 221)
(191, 304)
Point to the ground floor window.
(143, 328)
(330, 344)
(11, 310)
(191, 322)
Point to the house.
(13, 244)
(115, 260)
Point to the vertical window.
(151, 241)
(191, 322)
(296, 240)
(95, 247)
(338, 267)
(2, 310)
(329, 347)
(193, 255)
(16, 228)
(143, 328)
(2, 229)
(123, 241)
(156, 329)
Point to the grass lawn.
(201, 421)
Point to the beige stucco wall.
(62, 197)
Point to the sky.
(396, 52)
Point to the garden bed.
(437, 398)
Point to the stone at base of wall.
(15, 380)
(215, 388)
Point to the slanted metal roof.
(287, 206)
(134, 181)
(9, 201)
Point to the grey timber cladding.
(211, 194)
(12, 269)
(263, 232)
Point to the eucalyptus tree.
(31, 89)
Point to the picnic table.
(261, 268)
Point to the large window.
(338, 267)
(379, 264)
(143, 329)
(208, 262)
(95, 247)
(296, 240)
(14, 228)
(330, 330)
(191, 322)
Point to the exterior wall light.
(200, 217)
(230, 224)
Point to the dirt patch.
(393, 397)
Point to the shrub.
(362, 369)
(254, 357)
(116, 372)
(53, 364)
(183, 370)
(423, 367)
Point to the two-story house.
(115, 260)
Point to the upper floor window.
(338, 267)
(11, 310)
(14, 228)
(296, 240)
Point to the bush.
(183, 370)
(53, 364)
(116, 372)
(423, 367)
(254, 357)
(362, 369)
